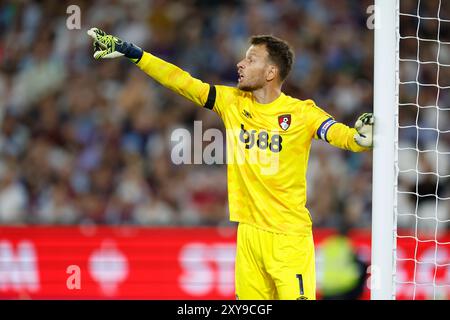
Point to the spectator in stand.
(81, 141)
(344, 273)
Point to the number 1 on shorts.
(300, 282)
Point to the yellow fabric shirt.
(267, 147)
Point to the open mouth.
(240, 77)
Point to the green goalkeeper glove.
(107, 46)
(364, 126)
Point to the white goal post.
(411, 156)
(384, 152)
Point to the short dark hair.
(280, 52)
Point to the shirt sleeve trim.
(211, 98)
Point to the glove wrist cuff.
(131, 51)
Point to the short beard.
(248, 88)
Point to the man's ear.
(272, 72)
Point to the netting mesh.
(423, 166)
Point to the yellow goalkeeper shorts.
(272, 266)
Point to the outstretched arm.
(172, 77)
(324, 127)
(175, 79)
(355, 139)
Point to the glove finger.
(111, 55)
(100, 54)
(96, 34)
(360, 121)
(368, 120)
(105, 54)
(92, 32)
(363, 117)
(98, 46)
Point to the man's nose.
(240, 65)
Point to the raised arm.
(172, 77)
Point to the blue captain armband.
(323, 129)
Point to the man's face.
(254, 69)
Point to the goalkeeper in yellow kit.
(269, 136)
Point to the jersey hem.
(302, 233)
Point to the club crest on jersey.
(284, 121)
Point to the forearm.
(174, 78)
(342, 136)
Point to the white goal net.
(422, 192)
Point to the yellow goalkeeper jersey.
(267, 147)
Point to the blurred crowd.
(86, 141)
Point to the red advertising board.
(169, 263)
